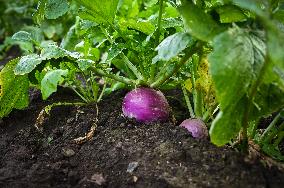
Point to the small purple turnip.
(196, 127)
(146, 105)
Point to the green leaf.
(171, 22)
(22, 36)
(70, 40)
(114, 51)
(13, 89)
(40, 11)
(51, 80)
(54, 52)
(31, 35)
(275, 45)
(144, 26)
(172, 46)
(101, 11)
(227, 124)
(279, 15)
(229, 14)
(84, 64)
(129, 8)
(269, 98)
(272, 151)
(51, 51)
(232, 65)
(56, 8)
(256, 6)
(198, 23)
(27, 64)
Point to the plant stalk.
(157, 39)
(192, 115)
(79, 94)
(279, 139)
(49, 107)
(115, 77)
(170, 73)
(197, 94)
(131, 66)
(268, 135)
(102, 92)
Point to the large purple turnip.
(146, 105)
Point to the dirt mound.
(122, 153)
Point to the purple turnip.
(146, 105)
(196, 127)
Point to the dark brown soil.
(12, 53)
(161, 154)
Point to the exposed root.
(89, 135)
(41, 118)
(45, 112)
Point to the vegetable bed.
(142, 93)
(122, 153)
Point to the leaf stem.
(115, 77)
(157, 39)
(102, 92)
(280, 136)
(171, 72)
(197, 94)
(49, 107)
(157, 35)
(189, 106)
(79, 94)
(131, 66)
(268, 134)
(106, 35)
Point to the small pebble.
(98, 179)
(135, 179)
(70, 120)
(132, 166)
(68, 152)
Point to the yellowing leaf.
(204, 82)
(188, 85)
